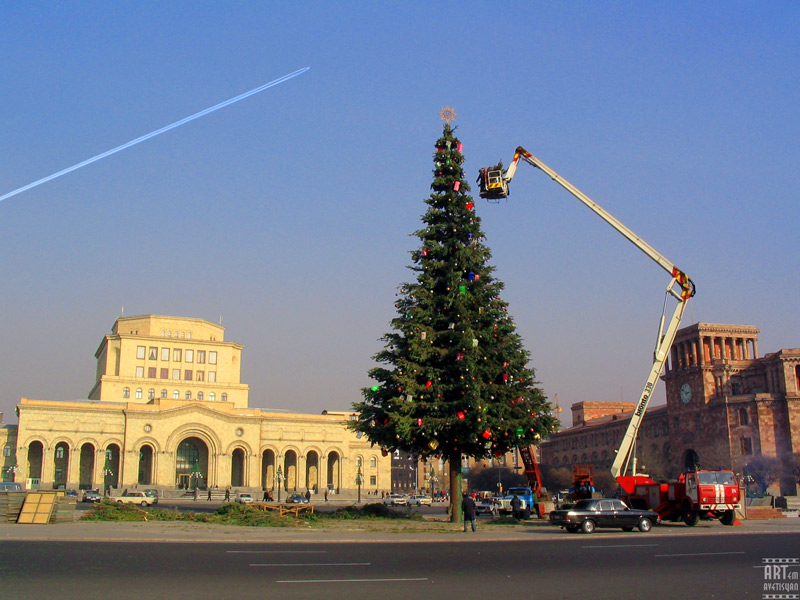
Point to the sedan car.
(395, 500)
(92, 496)
(134, 497)
(244, 498)
(297, 499)
(587, 515)
(419, 500)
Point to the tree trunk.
(455, 488)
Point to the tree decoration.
(452, 329)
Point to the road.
(623, 566)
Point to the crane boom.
(494, 185)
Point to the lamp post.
(359, 481)
(433, 482)
(12, 471)
(279, 480)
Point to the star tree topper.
(448, 114)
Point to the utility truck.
(690, 494)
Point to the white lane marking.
(622, 546)
(698, 554)
(353, 564)
(349, 580)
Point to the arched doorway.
(86, 467)
(290, 470)
(146, 465)
(111, 468)
(312, 471)
(237, 468)
(691, 461)
(334, 472)
(268, 470)
(35, 456)
(60, 465)
(191, 464)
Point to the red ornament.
(470, 206)
(461, 415)
(419, 421)
(487, 434)
(428, 384)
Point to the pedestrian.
(468, 508)
(194, 496)
(266, 495)
(228, 494)
(516, 505)
(308, 495)
(209, 494)
(326, 495)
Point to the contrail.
(155, 133)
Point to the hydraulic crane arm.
(494, 185)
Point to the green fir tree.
(454, 380)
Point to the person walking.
(516, 505)
(308, 496)
(468, 508)
(326, 495)
(209, 494)
(228, 494)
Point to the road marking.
(350, 580)
(310, 564)
(698, 554)
(276, 551)
(621, 546)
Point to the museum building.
(726, 406)
(168, 411)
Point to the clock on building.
(686, 393)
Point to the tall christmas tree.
(455, 381)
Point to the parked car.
(395, 500)
(487, 506)
(587, 515)
(297, 499)
(134, 497)
(419, 500)
(151, 493)
(92, 496)
(244, 498)
(71, 494)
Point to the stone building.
(726, 406)
(168, 411)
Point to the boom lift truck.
(696, 494)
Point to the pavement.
(351, 532)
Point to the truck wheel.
(526, 514)
(690, 517)
(728, 517)
(587, 526)
(645, 525)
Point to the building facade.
(726, 406)
(168, 411)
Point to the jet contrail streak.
(155, 133)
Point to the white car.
(244, 498)
(419, 500)
(135, 497)
(395, 500)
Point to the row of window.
(373, 462)
(178, 354)
(188, 374)
(176, 394)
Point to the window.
(165, 354)
(743, 417)
(176, 373)
(373, 480)
(200, 376)
(188, 335)
(212, 358)
(224, 397)
(187, 375)
(212, 376)
(140, 350)
(747, 446)
(7, 450)
(153, 354)
(163, 393)
(176, 395)
(212, 396)
(139, 393)
(201, 356)
(373, 462)
(151, 372)
(176, 355)
(151, 394)
(199, 395)
(188, 395)
(189, 356)
(140, 371)
(164, 373)
(359, 461)
(60, 452)
(126, 392)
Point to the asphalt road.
(623, 566)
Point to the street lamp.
(359, 481)
(279, 480)
(13, 471)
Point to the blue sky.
(288, 214)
